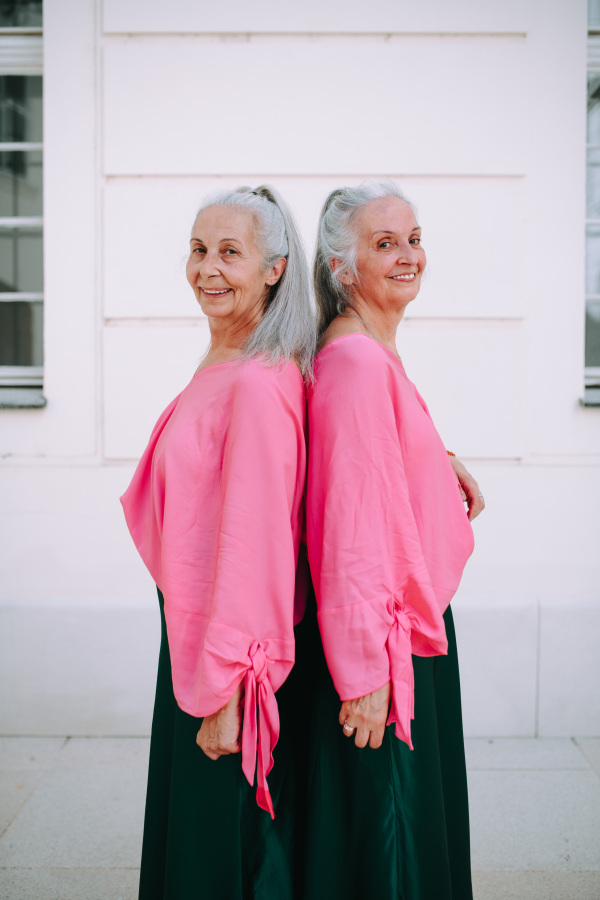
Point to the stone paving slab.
(79, 817)
(524, 753)
(590, 747)
(16, 787)
(30, 752)
(73, 811)
(536, 885)
(93, 753)
(535, 820)
(69, 884)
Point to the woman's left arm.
(248, 644)
(470, 491)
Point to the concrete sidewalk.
(71, 812)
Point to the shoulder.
(262, 387)
(352, 357)
(255, 374)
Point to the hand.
(366, 716)
(469, 489)
(219, 734)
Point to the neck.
(380, 324)
(227, 339)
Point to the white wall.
(477, 109)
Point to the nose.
(407, 253)
(208, 264)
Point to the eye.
(384, 245)
(230, 251)
(199, 250)
(416, 241)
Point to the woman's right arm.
(219, 734)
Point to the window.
(21, 199)
(592, 274)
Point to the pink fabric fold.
(388, 536)
(399, 647)
(215, 510)
(258, 742)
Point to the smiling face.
(389, 259)
(225, 267)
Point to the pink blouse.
(215, 511)
(388, 536)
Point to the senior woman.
(215, 511)
(388, 538)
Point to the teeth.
(215, 293)
(404, 277)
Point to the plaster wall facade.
(477, 110)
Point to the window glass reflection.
(21, 260)
(593, 184)
(20, 13)
(21, 334)
(21, 108)
(593, 109)
(594, 13)
(21, 183)
(592, 333)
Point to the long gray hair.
(287, 329)
(337, 239)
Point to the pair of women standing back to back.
(350, 702)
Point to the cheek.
(190, 270)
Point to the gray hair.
(337, 239)
(287, 329)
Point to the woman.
(388, 537)
(215, 510)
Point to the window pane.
(20, 107)
(21, 260)
(21, 183)
(594, 13)
(20, 13)
(592, 260)
(20, 334)
(593, 108)
(593, 184)
(592, 333)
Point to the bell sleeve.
(376, 601)
(244, 631)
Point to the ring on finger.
(347, 727)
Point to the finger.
(376, 738)
(210, 753)
(234, 747)
(476, 506)
(348, 729)
(362, 737)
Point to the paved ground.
(71, 814)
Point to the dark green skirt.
(350, 824)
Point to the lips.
(218, 293)
(409, 276)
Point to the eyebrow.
(391, 230)
(222, 240)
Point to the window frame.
(21, 53)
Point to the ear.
(276, 271)
(346, 278)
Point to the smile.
(215, 293)
(409, 277)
